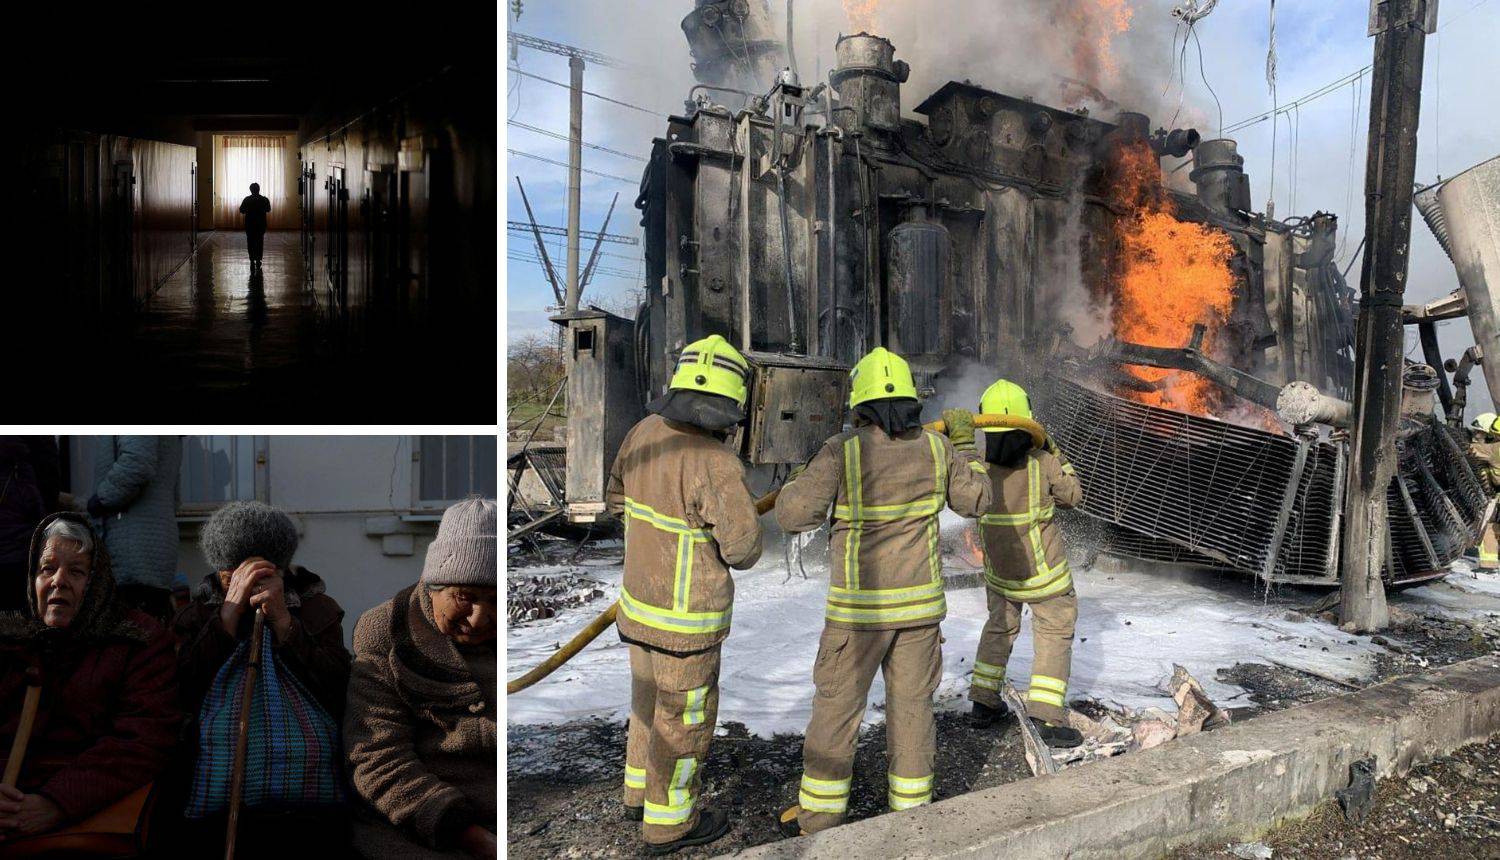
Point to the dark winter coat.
(28, 491)
(135, 481)
(420, 733)
(314, 651)
(108, 717)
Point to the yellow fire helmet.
(880, 375)
(1487, 422)
(1005, 398)
(712, 366)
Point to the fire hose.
(765, 503)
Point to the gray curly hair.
(67, 529)
(240, 530)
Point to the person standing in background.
(255, 208)
(29, 478)
(135, 496)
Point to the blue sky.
(1318, 41)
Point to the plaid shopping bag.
(293, 760)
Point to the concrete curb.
(1230, 785)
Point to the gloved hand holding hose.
(960, 426)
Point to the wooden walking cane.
(23, 729)
(242, 740)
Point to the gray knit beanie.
(463, 553)
(240, 530)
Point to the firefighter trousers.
(1489, 545)
(912, 660)
(674, 703)
(1052, 623)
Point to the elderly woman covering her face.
(420, 731)
(108, 717)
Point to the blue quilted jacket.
(135, 478)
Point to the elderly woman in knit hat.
(249, 547)
(420, 730)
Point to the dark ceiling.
(316, 72)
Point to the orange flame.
(1171, 275)
(972, 551)
(1095, 24)
(861, 14)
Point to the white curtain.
(240, 159)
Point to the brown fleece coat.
(683, 477)
(872, 477)
(420, 733)
(108, 716)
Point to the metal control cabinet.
(604, 402)
(796, 403)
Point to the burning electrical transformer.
(1157, 327)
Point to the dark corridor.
(376, 302)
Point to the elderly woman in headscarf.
(108, 714)
(420, 731)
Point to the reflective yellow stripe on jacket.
(852, 604)
(677, 618)
(1046, 580)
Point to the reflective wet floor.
(222, 341)
(219, 326)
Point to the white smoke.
(1067, 298)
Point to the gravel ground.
(1446, 808)
(567, 803)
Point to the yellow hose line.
(763, 504)
(588, 634)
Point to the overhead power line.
(625, 179)
(602, 271)
(655, 113)
(634, 258)
(523, 227)
(560, 136)
(1292, 105)
(1324, 90)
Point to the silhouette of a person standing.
(255, 208)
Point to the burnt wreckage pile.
(809, 224)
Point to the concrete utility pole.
(1400, 28)
(576, 57)
(575, 175)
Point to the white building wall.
(334, 487)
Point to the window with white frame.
(217, 469)
(452, 468)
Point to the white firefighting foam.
(1132, 627)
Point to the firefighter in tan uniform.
(1025, 565)
(886, 480)
(688, 518)
(1484, 450)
